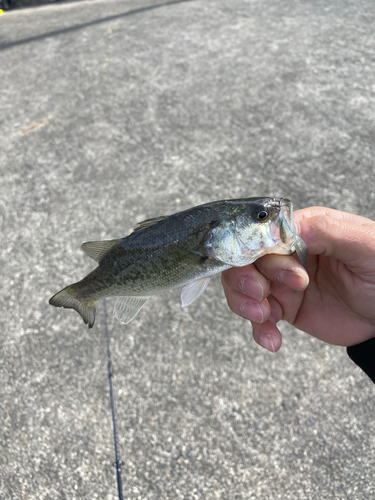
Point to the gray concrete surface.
(114, 111)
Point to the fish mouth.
(285, 220)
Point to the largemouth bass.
(181, 250)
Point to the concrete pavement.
(115, 111)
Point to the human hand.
(333, 301)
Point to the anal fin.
(126, 308)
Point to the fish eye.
(261, 214)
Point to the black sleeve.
(363, 355)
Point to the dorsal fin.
(97, 249)
(149, 222)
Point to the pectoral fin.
(127, 308)
(193, 290)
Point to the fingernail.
(293, 279)
(265, 340)
(252, 310)
(253, 287)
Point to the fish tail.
(67, 298)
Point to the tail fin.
(66, 298)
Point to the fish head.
(253, 228)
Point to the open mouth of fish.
(286, 229)
(286, 222)
(282, 230)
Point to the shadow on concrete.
(5, 46)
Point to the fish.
(185, 250)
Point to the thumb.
(348, 242)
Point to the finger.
(309, 212)
(247, 280)
(347, 242)
(267, 335)
(283, 269)
(245, 306)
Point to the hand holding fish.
(337, 306)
